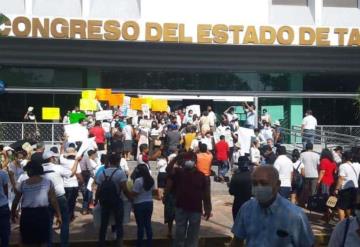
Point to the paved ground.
(215, 232)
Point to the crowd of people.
(43, 185)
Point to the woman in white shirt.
(36, 194)
(255, 153)
(297, 186)
(142, 194)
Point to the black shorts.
(347, 198)
(35, 225)
(161, 179)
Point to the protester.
(279, 135)
(204, 160)
(99, 133)
(337, 154)
(255, 157)
(4, 209)
(212, 117)
(297, 181)
(36, 195)
(308, 127)
(250, 115)
(269, 219)
(222, 157)
(240, 186)
(327, 171)
(205, 121)
(284, 166)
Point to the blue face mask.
(262, 193)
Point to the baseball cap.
(48, 154)
(277, 123)
(7, 148)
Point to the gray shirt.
(311, 161)
(173, 139)
(4, 179)
(118, 177)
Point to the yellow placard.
(159, 105)
(103, 94)
(51, 113)
(135, 104)
(116, 99)
(88, 94)
(146, 101)
(88, 104)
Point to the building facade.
(286, 55)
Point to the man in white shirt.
(56, 174)
(285, 168)
(308, 127)
(311, 161)
(212, 117)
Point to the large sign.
(113, 30)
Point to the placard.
(159, 105)
(88, 104)
(116, 99)
(123, 111)
(104, 115)
(244, 138)
(76, 132)
(146, 101)
(195, 109)
(136, 103)
(50, 113)
(88, 94)
(145, 110)
(103, 94)
(131, 113)
(76, 117)
(127, 101)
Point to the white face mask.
(262, 193)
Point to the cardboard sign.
(123, 111)
(245, 136)
(146, 101)
(136, 103)
(131, 113)
(127, 101)
(104, 115)
(116, 99)
(76, 132)
(145, 109)
(88, 94)
(88, 104)
(50, 113)
(103, 94)
(159, 105)
(195, 108)
(76, 117)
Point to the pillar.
(296, 104)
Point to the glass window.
(290, 2)
(42, 77)
(341, 3)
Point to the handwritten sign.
(50, 113)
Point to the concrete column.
(316, 7)
(296, 104)
(85, 8)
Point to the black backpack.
(297, 179)
(108, 194)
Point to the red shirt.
(329, 168)
(222, 149)
(99, 134)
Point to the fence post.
(322, 138)
(22, 131)
(351, 130)
(52, 133)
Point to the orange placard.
(103, 94)
(116, 99)
(159, 105)
(135, 104)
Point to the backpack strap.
(347, 224)
(112, 174)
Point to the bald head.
(268, 173)
(266, 177)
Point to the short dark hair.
(309, 112)
(281, 150)
(309, 146)
(143, 147)
(91, 152)
(222, 137)
(97, 123)
(326, 154)
(203, 147)
(347, 156)
(114, 159)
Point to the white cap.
(277, 123)
(7, 148)
(49, 154)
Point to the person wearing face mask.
(15, 171)
(192, 193)
(347, 232)
(268, 219)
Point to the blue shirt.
(281, 224)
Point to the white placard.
(123, 110)
(76, 132)
(195, 108)
(244, 138)
(127, 100)
(131, 113)
(104, 115)
(87, 144)
(145, 110)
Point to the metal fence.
(49, 133)
(351, 130)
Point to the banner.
(104, 115)
(159, 105)
(103, 94)
(136, 103)
(116, 99)
(76, 117)
(51, 113)
(88, 104)
(88, 94)
(76, 132)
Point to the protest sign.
(195, 108)
(159, 105)
(104, 115)
(76, 117)
(131, 113)
(76, 132)
(244, 138)
(88, 104)
(145, 109)
(50, 113)
(135, 104)
(146, 101)
(123, 111)
(116, 99)
(103, 94)
(88, 94)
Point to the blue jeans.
(118, 212)
(87, 194)
(308, 136)
(71, 194)
(64, 230)
(143, 212)
(223, 168)
(4, 225)
(187, 228)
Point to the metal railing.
(49, 133)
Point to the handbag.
(331, 201)
(317, 203)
